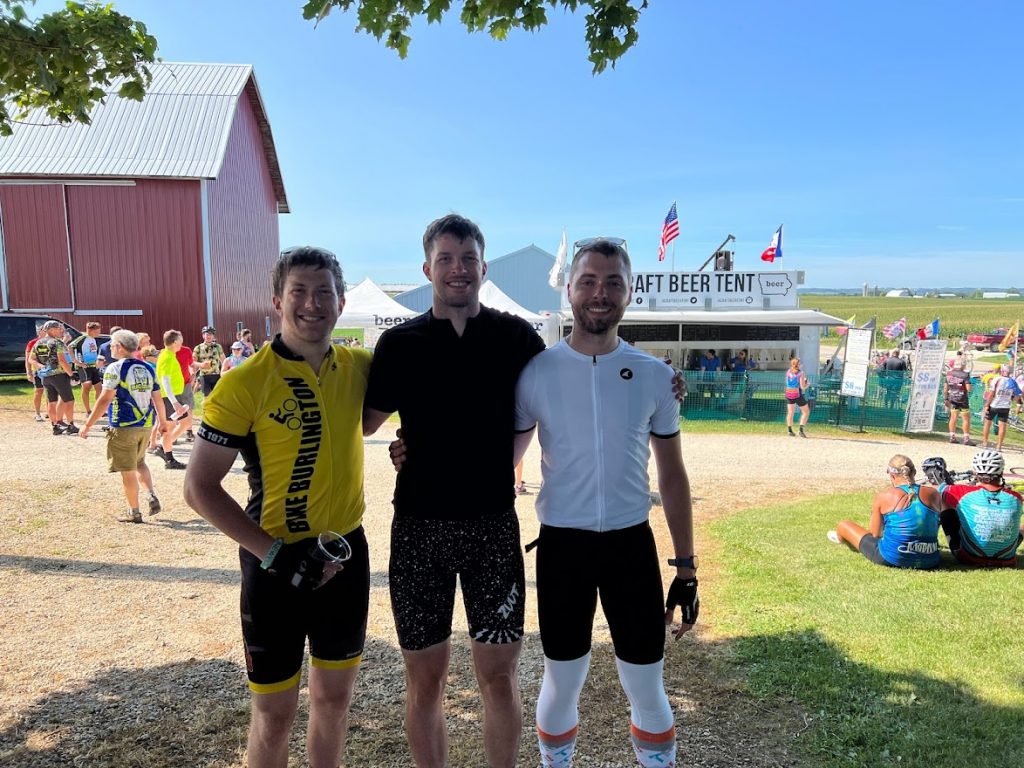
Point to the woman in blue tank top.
(904, 522)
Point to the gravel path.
(121, 645)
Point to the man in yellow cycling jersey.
(294, 412)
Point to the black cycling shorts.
(58, 385)
(959, 405)
(869, 548)
(36, 381)
(997, 414)
(485, 555)
(574, 567)
(209, 381)
(277, 618)
(801, 401)
(89, 374)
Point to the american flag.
(669, 231)
(893, 330)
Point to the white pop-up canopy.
(367, 306)
(492, 296)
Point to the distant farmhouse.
(898, 293)
(160, 214)
(999, 295)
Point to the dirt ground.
(121, 645)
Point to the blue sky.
(887, 137)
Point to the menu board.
(856, 361)
(928, 370)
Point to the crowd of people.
(114, 379)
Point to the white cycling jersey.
(596, 415)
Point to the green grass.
(348, 333)
(891, 666)
(16, 395)
(957, 317)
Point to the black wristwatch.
(684, 562)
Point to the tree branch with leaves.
(610, 24)
(65, 61)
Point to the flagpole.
(673, 255)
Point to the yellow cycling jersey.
(301, 437)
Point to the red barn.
(160, 214)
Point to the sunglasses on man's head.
(587, 242)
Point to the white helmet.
(988, 463)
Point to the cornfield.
(957, 317)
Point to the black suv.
(17, 330)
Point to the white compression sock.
(558, 710)
(652, 724)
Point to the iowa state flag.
(774, 249)
(930, 331)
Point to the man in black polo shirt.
(457, 365)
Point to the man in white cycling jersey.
(601, 406)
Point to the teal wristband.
(268, 561)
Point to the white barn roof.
(179, 130)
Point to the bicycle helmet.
(935, 470)
(989, 463)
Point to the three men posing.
(453, 503)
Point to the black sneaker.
(71, 429)
(173, 463)
(58, 429)
(154, 504)
(802, 433)
(789, 431)
(158, 451)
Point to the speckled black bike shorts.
(485, 555)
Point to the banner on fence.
(717, 290)
(928, 369)
(858, 358)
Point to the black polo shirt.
(456, 399)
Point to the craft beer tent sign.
(715, 290)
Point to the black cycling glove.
(298, 565)
(683, 593)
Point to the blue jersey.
(86, 350)
(989, 520)
(910, 536)
(134, 384)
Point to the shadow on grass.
(196, 713)
(858, 715)
(191, 713)
(126, 572)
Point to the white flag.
(556, 279)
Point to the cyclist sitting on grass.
(904, 522)
(982, 522)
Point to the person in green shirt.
(172, 386)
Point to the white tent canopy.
(367, 306)
(492, 296)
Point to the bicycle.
(938, 473)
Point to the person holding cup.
(303, 554)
